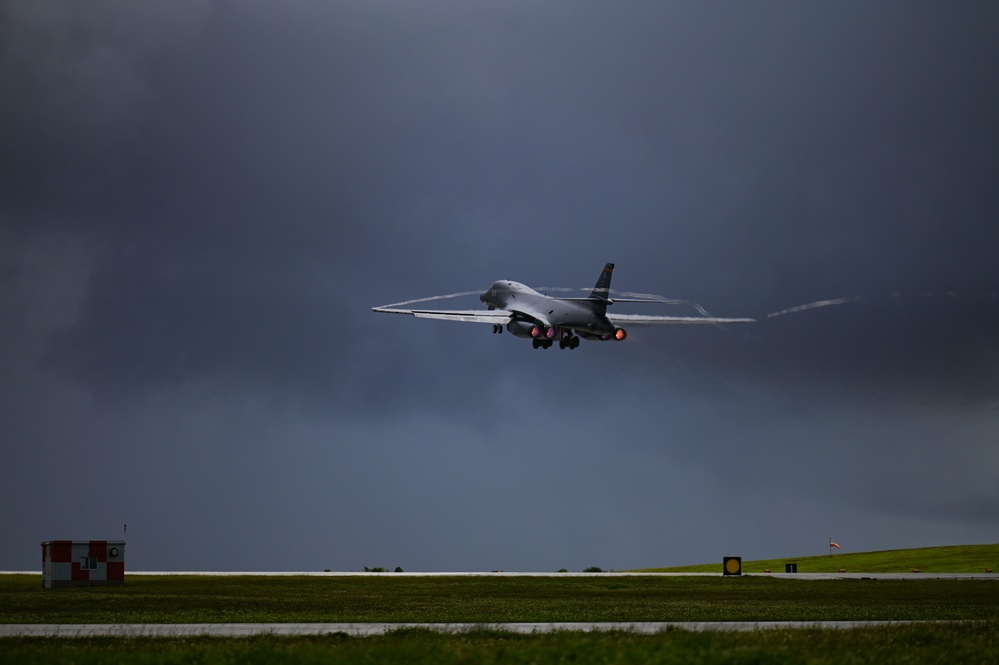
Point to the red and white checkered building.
(82, 562)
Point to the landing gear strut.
(568, 341)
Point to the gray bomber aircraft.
(546, 320)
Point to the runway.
(608, 574)
(369, 629)
(390, 575)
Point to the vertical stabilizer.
(601, 291)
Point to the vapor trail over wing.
(385, 308)
(817, 305)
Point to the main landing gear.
(497, 328)
(570, 341)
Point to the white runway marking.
(368, 629)
(608, 574)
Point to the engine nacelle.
(530, 330)
(619, 334)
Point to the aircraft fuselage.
(537, 315)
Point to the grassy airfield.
(974, 604)
(954, 559)
(390, 598)
(908, 644)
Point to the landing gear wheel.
(568, 340)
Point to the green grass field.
(392, 598)
(973, 604)
(911, 645)
(955, 559)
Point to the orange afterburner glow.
(620, 334)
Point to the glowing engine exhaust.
(618, 335)
(537, 332)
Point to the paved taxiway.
(789, 576)
(367, 629)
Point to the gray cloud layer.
(202, 201)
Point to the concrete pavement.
(368, 629)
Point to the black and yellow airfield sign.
(732, 565)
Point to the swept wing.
(649, 320)
(494, 316)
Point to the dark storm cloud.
(202, 202)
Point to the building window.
(89, 563)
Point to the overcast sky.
(200, 203)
